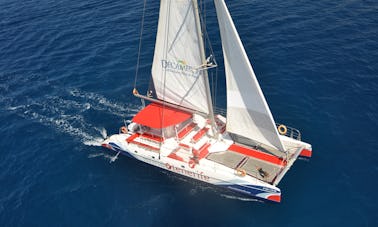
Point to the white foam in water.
(87, 106)
(95, 142)
(66, 115)
(99, 102)
(15, 107)
(114, 158)
(54, 112)
(106, 156)
(109, 157)
(240, 198)
(95, 155)
(103, 132)
(62, 125)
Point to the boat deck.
(194, 143)
(255, 163)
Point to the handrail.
(290, 132)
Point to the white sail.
(176, 70)
(248, 114)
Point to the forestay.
(248, 113)
(176, 70)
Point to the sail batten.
(248, 114)
(176, 70)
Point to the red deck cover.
(158, 116)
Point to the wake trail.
(68, 113)
(64, 116)
(109, 157)
(66, 124)
(64, 109)
(100, 103)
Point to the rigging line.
(207, 38)
(214, 83)
(140, 43)
(203, 17)
(165, 53)
(210, 46)
(216, 86)
(212, 86)
(202, 8)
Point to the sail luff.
(248, 114)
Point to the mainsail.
(177, 70)
(248, 114)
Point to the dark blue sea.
(67, 70)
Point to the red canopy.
(158, 116)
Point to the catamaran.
(243, 150)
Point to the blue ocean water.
(66, 74)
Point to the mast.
(203, 60)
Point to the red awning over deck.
(156, 116)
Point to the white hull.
(171, 155)
(207, 171)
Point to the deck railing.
(289, 132)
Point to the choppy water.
(66, 73)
